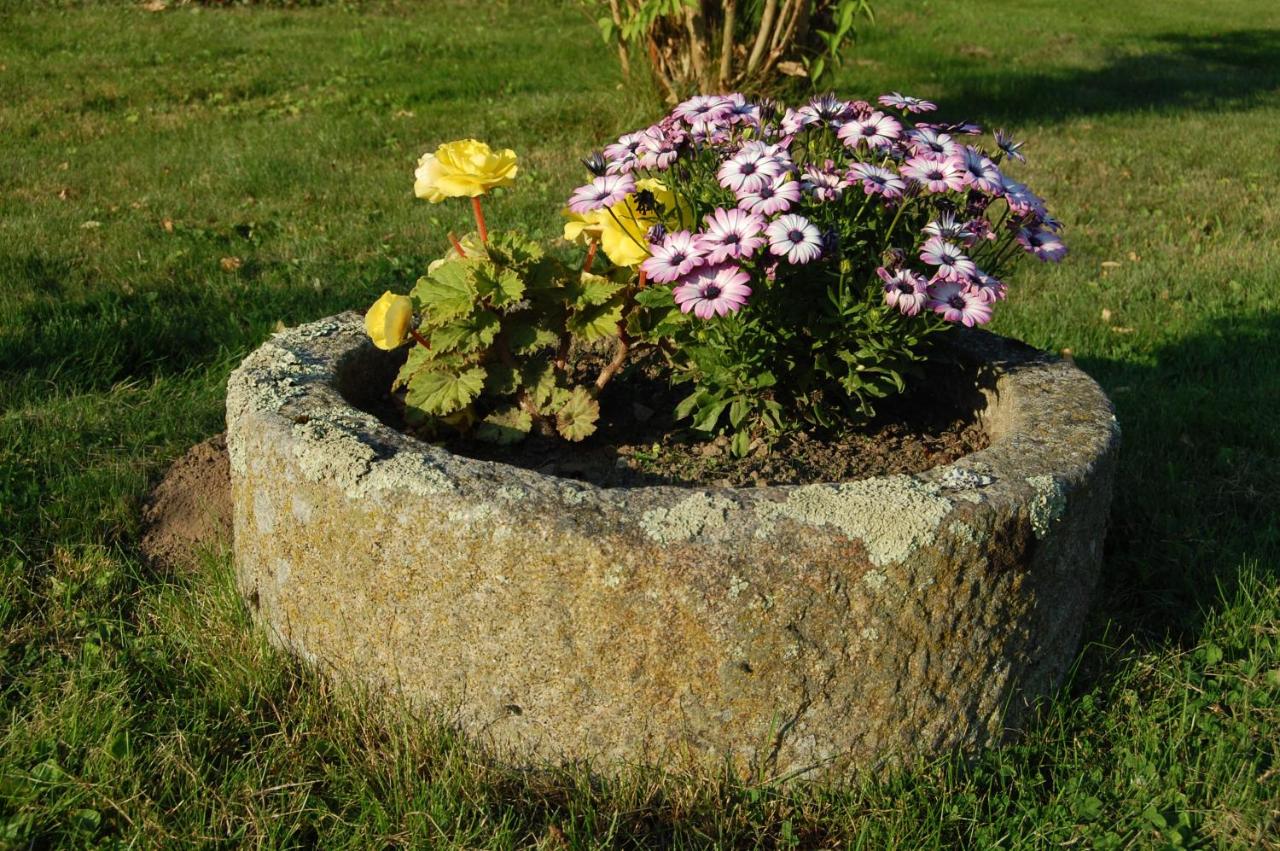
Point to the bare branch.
(762, 37)
(726, 43)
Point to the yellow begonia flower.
(463, 169)
(623, 229)
(582, 227)
(387, 322)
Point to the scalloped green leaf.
(655, 296)
(470, 334)
(539, 381)
(591, 290)
(447, 292)
(501, 379)
(500, 286)
(597, 321)
(526, 338)
(505, 426)
(578, 414)
(442, 393)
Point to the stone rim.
(290, 382)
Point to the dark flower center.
(795, 236)
(711, 291)
(957, 301)
(936, 174)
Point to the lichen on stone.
(890, 516)
(697, 514)
(1047, 503)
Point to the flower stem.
(421, 340)
(591, 255)
(457, 246)
(480, 226)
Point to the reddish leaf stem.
(457, 246)
(480, 226)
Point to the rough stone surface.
(793, 630)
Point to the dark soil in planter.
(638, 442)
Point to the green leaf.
(444, 392)
(447, 292)
(539, 381)
(471, 334)
(526, 338)
(740, 444)
(709, 414)
(686, 405)
(653, 297)
(501, 379)
(591, 290)
(501, 286)
(577, 416)
(505, 426)
(596, 322)
(738, 411)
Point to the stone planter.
(790, 629)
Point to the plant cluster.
(719, 45)
(787, 265)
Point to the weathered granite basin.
(827, 627)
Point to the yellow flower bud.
(387, 321)
(463, 169)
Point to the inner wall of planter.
(363, 375)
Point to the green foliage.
(499, 322)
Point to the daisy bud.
(595, 163)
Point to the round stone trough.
(786, 630)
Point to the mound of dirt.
(190, 509)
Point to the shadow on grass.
(1177, 72)
(1199, 477)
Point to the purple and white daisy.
(709, 132)
(946, 227)
(1012, 149)
(795, 238)
(776, 196)
(878, 181)
(1044, 244)
(953, 264)
(825, 183)
(747, 172)
(965, 129)
(877, 130)
(934, 173)
(988, 288)
(1022, 200)
(743, 111)
(795, 120)
(981, 172)
(703, 108)
(713, 291)
(676, 256)
(904, 289)
(906, 103)
(657, 149)
(623, 154)
(601, 192)
(827, 108)
(926, 141)
(731, 235)
(957, 304)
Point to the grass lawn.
(173, 185)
